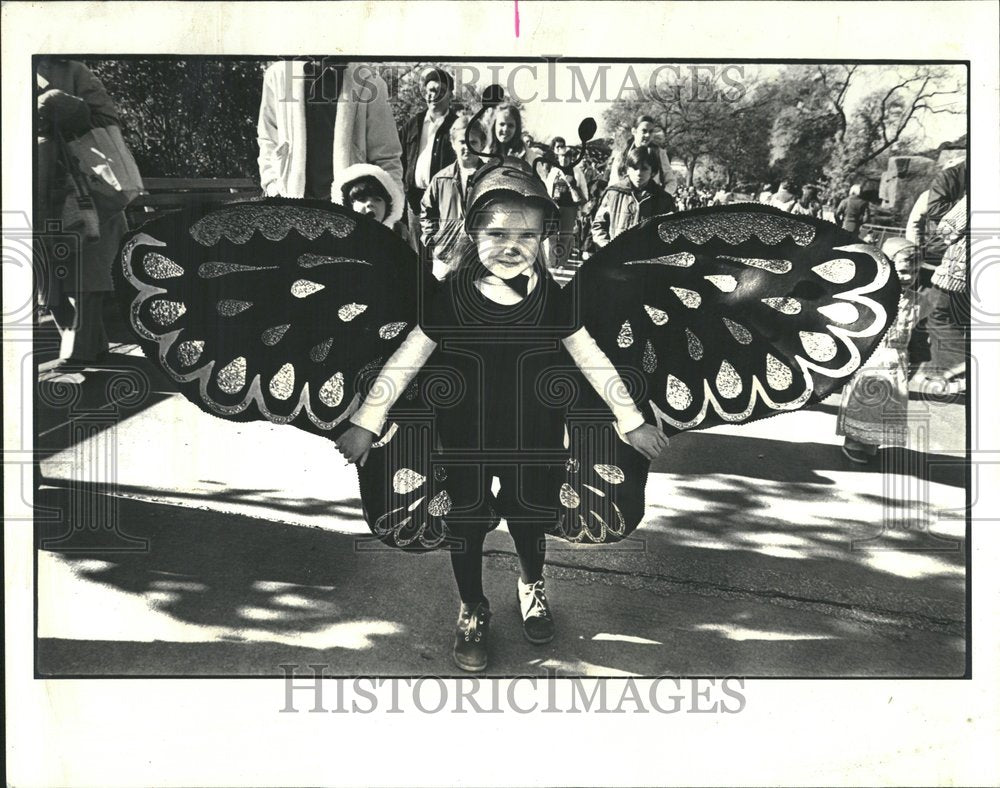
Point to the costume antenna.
(492, 97)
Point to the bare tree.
(855, 133)
(702, 122)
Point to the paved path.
(764, 552)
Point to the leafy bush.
(187, 118)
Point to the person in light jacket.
(317, 119)
(442, 209)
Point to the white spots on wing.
(273, 335)
(309, 260)
(213, 270)
(724, 282)
(658, 316)
(305, 287)
(689, 298)
(233, 377)
(842, 312)
(625, 335)
(569, 497)
(166, 312)
(228, 307)
(678, 394)
(405, 481)
(821, 347)
(763, 263)
(391, 330)
(727, 381)
(679, 260)
(189, 351)
(283, 383)
(612, 474)
(779, 375)
(839, 271)
(160, 267)
(786, 305)
(350, 311)
(649, 358)
(439, 505)
(739, 331)
(695, 349)
(332, 392)
(318, 353)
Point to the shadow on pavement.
(219, 594)
(700, 453)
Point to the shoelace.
(472, 625)
(538, 606)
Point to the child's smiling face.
(643, 132)
(506, 126)
(507, 237)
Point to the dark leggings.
(467, 559)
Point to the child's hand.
(648, 441)
(355, 444)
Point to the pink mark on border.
(517, 21)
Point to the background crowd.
(406, 160)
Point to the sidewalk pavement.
(764, 553)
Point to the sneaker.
(472, 636)
(538, 624)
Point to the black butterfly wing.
(278, 309)
(731, 314)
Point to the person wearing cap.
(866, 421)
(500, 324)
(426, 146)
(317, 118)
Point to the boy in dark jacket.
(632, 201)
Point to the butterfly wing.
(277, 309)
(732, 314)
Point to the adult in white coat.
(347, 102)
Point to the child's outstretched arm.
(598, 369)
(396, 374)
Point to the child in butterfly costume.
(304, 313)
(497, 327)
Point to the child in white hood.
(369, 190)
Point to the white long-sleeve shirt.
(412, 354)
